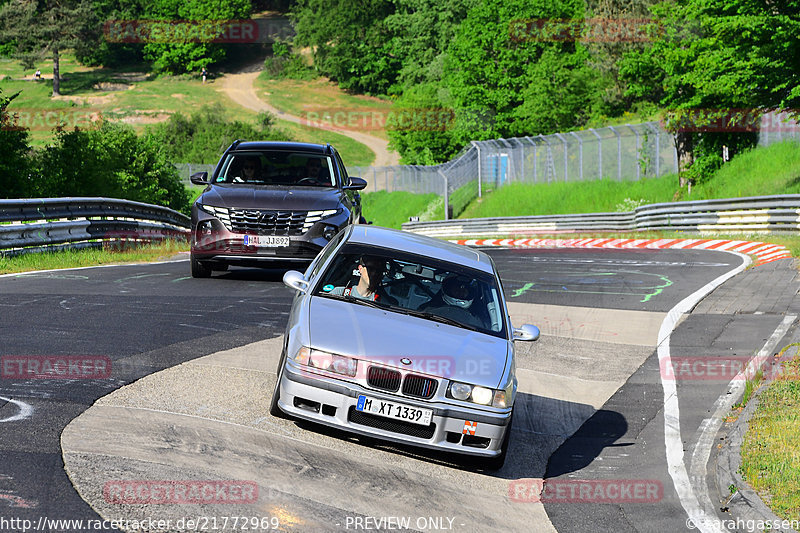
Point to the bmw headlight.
(338, 364)
(477, 394)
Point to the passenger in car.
(371, 270)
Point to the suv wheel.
(199, 269)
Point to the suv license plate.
(398, 411)
(266, 241)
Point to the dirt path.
(239, 88)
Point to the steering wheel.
(309, 180)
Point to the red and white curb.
(765, 252)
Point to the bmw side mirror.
(526, 333)
(356, 184)
(199, 178)
(295, 280)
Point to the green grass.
(353, 152)
(91, 257)
(322, 98)
(763, 171)
(771, 450)
(391, 209)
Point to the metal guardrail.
(750, 214)
(31, 225)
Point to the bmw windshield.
(415, 285)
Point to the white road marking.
(25, 410)
(710, 426)
(672, 422)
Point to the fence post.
(446, 196)
(566, 150)
(535, 149)
(478, 147)
(619, 152)
(580, 153)
(599, 153)
(638, 149)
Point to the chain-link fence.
(625, 152)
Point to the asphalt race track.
(191, 366)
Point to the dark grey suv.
(271, 202)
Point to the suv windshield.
(277, 168)
(415, 285)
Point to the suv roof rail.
(235, 144)
(328, 148)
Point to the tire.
(199, 269)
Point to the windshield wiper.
(438, 318)
(351, 298)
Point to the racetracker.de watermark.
(146, 492)
(710, 368)
(732, 121)
(401, 119)
(197, 31)
(35, 119)
(591, 30)
(586, 490)
(55, 367)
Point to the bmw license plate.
(266, 241)
(394, 410)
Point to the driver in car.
(455, 301)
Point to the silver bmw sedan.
(405, 338)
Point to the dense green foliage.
(203, 136)
(14, 163)
(110, 161)
(711, 59)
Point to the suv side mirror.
(356, 184)
(199, 178)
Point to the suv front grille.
(383, 378)
(260, 222)
(419, 386)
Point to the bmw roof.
(420, 245)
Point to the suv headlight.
(477, 394)
(338, 364)
(315, 216)
(222, 213)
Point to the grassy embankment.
(91, 257)
(132, 96)
(771, 451)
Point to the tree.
(45, 28)
(529, 82)
(712, 60)
(191, 52)
(350, 41)
(15, 163)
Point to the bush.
(111, 161)
(203, 136)
(15, 179)
(283, 63)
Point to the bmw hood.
(407, 342)
(270, 197)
